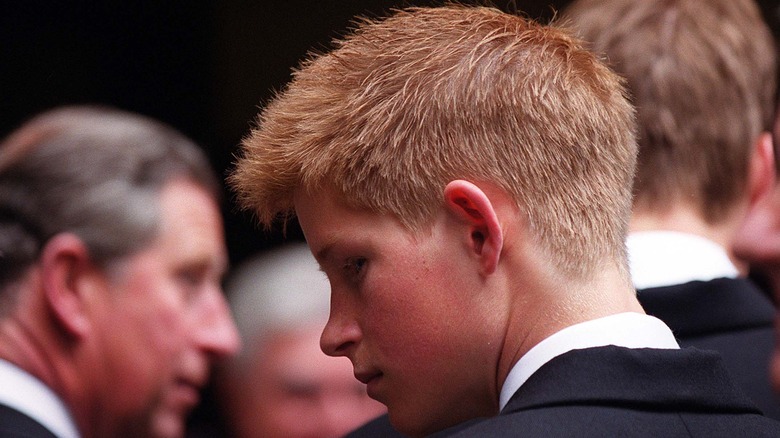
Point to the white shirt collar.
(630, 330)
(23, 392)
(663, 258)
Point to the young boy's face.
(410, 310)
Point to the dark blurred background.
(203, 66)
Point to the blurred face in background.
(292, 389)
(163, 320)
(758, 242)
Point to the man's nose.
(217, 333)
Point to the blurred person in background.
(111, 258)
(702, 76)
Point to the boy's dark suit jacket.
(14, 424)
(615, 391)
(731, 316)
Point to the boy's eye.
(355, 267)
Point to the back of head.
(407, 104)
(95, 172)
(702, 75)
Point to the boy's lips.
(367, 376)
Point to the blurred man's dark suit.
(16, 424)
(729, 315)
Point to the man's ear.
(761, 179)
(471, 205)
(67, 272)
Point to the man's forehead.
(191, 224)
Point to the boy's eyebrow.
(323, 254)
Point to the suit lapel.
(683, 380)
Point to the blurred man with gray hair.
(111, 257)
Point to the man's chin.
(168, 420)
(167, 425)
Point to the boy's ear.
(761, 179)
(67, 273)
(470, 204)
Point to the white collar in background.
(664, 258)
(629, 330)
(23, 392)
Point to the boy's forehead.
(326, 219)
(324, 203)
(319, 216)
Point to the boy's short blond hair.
(404, 105)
